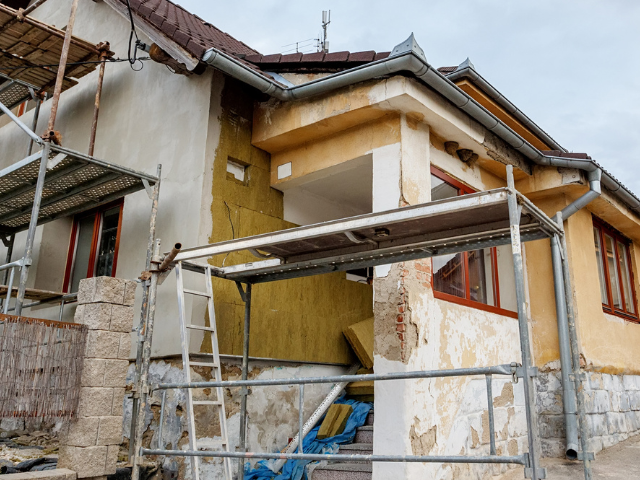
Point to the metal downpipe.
(568, 391)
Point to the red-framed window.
(472, 278)
(617, 287)
(93, 249)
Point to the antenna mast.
(326, 20)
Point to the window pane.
(603, 283)
(441, 189)
(83, 251)
(626, 278)
(448, 274)
(613, 270)
(506, 278)
(481, 276)
(108, 236)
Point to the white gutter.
(409, 57)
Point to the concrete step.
(369, 418)
(356, 449)
(343, 471)
(364, 434)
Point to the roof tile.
(254, 58)
(336, 57)
(275, 58)
(381, 55)
(362, 56)
(181, 38)
(313, 57)
(292, 57)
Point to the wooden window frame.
(602, 228)
(467, 302)
(97, 226)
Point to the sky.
(573, 66)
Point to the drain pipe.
(567, 335)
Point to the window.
(472, 278)
(614, 271)
(93, 250)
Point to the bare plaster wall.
(146, 118)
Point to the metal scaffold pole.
(533, 470)
(246, 298)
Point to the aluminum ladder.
(214, 364)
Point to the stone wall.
(612, 405)
(58, 474)
(90, 442)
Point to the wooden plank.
(31, 293)
(360, 337)
(334, 421)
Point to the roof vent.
(466, 64)
(409, 45)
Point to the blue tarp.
(295, 469)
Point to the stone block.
(130, 292)
(121, 318)
(102, 344)
(595, 381)
(549, 403)
(501, 423)
(117, 405)
(518, 394)
(551, 426)
(93, 372)
(115, 372)
(82, 432)
(618, 385)
(94, 401)
(598, 425)
(112, 459)
(109, 290)
(110, 431)
(552, 447)
(96, 316)
(475, 397)
(517, 422)
(85, 461)
(634, 400)
(595, 444)
(607, 381)
(124, 347)
(548, 382)
(629, 382)
(633, 421)
(624, 402)
(86, 290)
(597, 401)
(616, 423)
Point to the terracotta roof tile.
(336, 57)
(381, 55)
(186, 29)
(558, 153)
(362, 56)
(292, 57)
(275, 58)
(313, 57)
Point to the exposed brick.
(115, 372)
(110, 431)
(121, 318)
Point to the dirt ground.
(619, 462)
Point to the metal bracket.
(53, 162)
(590, 456)
(242, 292)
(541, 473)
(5, 240)
(148, 188)
(257, 254)
(533, 371)
(351, 236)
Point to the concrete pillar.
(90, 444)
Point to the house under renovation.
(285, 227)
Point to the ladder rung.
(195, 292)
(200, 327)
(207, 402)
(204, 364)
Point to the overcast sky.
(573, 66)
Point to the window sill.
(477, 305)
(624, 316)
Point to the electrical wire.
(133, 58)
(114, 60)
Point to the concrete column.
(90, 444)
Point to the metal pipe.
(34, 124)
(5, 307)
(594, 192)
(144, 368)
(245, 374)
(62, 66)
(315, 457)
(505, 369)
(523, 324)
(96, 105)
(568, 393)
(32, 7)
(8, 256)
(575, 356)
(143, 312)
(300, 418)
(162, 405)
(20, 124)
(33, 223)
(170, 257)
(492, 428)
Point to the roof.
(189, 31)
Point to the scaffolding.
(53, 182)
(486, 219)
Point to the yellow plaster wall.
(298, 319)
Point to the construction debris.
(335, 421)
(360, 337)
